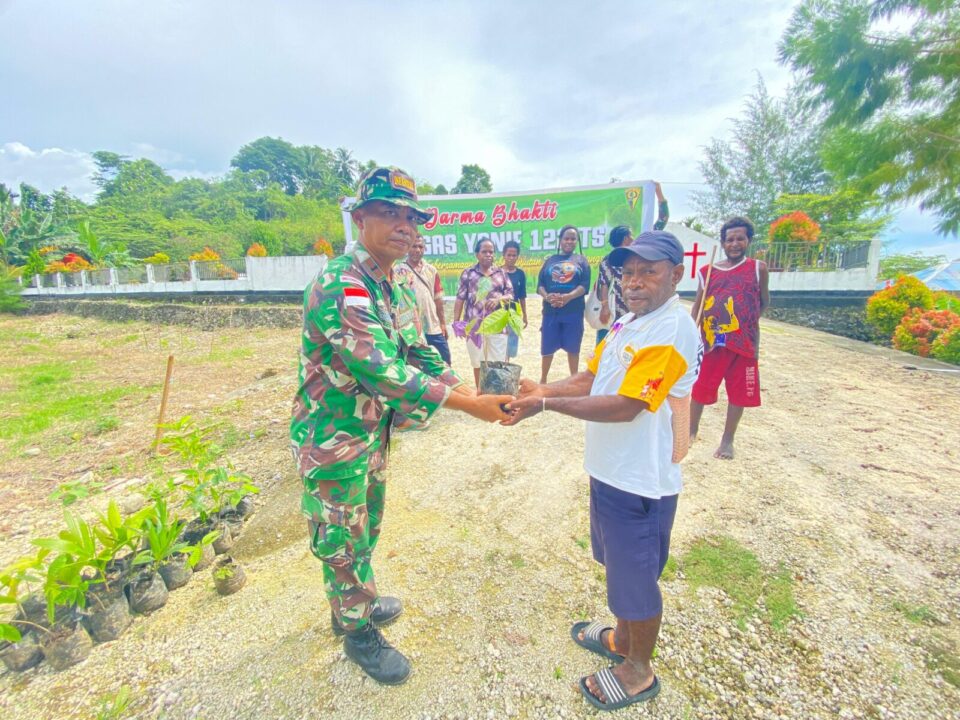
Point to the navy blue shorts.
(561, 332)
(630, 535)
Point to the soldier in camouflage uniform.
(362, 360)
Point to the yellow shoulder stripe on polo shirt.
(652, 372)
(594, 362)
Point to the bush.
(35, 264)
(260, 233)
(256, 250)
(10, 299)
(71, 263)
(158, 258)
(794, 227)
(945, 301)
(322, 247)
(919, 330)
(886, 308)
(208, 254)
(947, 345)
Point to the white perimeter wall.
(292, 274)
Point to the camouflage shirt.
(362, 356)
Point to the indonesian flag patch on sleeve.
(356, 296)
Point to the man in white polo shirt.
(650, 354)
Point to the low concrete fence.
(244, 275)
(802, 269)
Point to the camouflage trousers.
(343, 517)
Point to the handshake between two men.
(510, 410)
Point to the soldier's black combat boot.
(385, 610)
(369, 649)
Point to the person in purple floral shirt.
(481, 289)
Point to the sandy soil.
(848, 476)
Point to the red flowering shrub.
(886, 308)
(257, 250)
(794, 227)
(70, 263)
(919, 330)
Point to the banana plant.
(25, 230)
(102, 253)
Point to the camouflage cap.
(392, 185)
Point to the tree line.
(282, 196)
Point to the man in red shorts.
(737, 295)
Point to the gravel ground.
(848, 476)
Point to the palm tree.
(345, 167)
(317, 171)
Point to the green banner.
(532, 219)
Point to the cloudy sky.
(541, 94)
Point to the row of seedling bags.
(86, 584)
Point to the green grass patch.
(516, 560)
(228, 408)
(779, 599)
(229, 354)
(39, 375)
(115, 706)
(723, 563)
(16, 335)
(121, 340)
(942, 658)
(50, 396)
(917, 614)
(231, 437)
(669, 570)
(105, 424)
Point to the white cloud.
(48, 169)
(539, 95)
